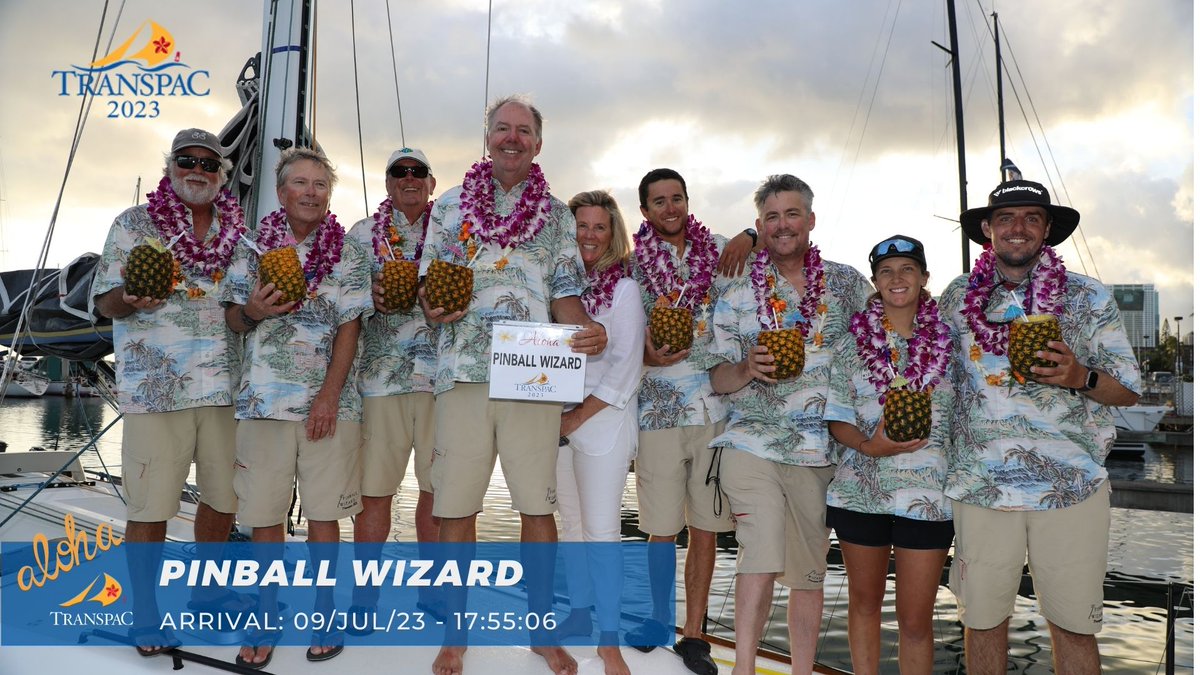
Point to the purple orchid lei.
(658, 265)
(598, 295)
(170, 217)
(478, 203)
(1047, 286)
(928, 350)
(764, 287)
(384, 235)
(326, 250)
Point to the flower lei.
(1047, 286)
(385, 236)
(598, 295)
(326, 250)
(878, 346)
(170, 217)
(771, 306)
(657, 265)
(478, 203)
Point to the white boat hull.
(1140, 418)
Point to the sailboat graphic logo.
(110, 592)
(147, 65)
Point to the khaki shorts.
(472, 430)
(672, 470)
(393, 426)
(274, 455)
(1068, 555)
(780, 515)
(157, 451)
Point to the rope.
(396, 75)
(362, 159)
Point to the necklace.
(386, 238)
(1047, 286)
(478, 203)
(773, 312)
(326, 250)
(879, 347)
(598, 295)
(170, 217)
(657, 265)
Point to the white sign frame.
(533, 361)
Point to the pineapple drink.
(450, 286)
(787, 346)
(281, 267)
(150, 272)
(1027, 335)
(399, 281)
(907, 415)
(671, 326)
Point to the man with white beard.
(177, 362)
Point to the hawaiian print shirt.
(908, 485)
(398, 352)
(1034, 447)
(286, 356)
(179, 356)
(681, 395)
(536, 273)
(784, 422)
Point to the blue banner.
(65, 591)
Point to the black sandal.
(696, 654)
(256, 639)
(333, 639)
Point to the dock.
(1152, 495)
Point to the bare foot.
(255, 654)
(557, 658)
(449, 661)
(614, 663)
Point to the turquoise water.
(1147, 550)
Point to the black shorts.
(877, 529)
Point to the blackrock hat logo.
(1017, 188)
(135, 75)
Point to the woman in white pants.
(601, 432)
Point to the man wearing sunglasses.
(398, 361)
(177, 362)
(1027, 475)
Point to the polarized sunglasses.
(900, 246)
(187, 163)
(398, 171)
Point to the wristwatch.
(1090, 382)
(753, 234)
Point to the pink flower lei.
(764, 287)
(478, 201)
(170, 217)
(384, 235)
(1047, 287)
(928, 350)
(598, 295)
(326, 250)
(658, 265)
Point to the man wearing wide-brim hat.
(1027, 475)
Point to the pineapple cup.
(149, 272)
(787, 346)
(399, 281)
(450, 286)
(281, 266)
(1026, 337)
(907, 415)
(671, 326)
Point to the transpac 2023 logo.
(135, 75)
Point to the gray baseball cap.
(197, 138)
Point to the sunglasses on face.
(187, 163)
(397, 171)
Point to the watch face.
(1093, 379)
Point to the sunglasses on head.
(894, 245)
(398, 171)
(187, 163)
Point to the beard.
(1019, 261)
(194, 194)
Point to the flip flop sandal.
(262, 638)
(332, 639)
(156, 640)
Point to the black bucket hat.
(897, 246)
(1063, 219)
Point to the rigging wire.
(487, 72)
(311, 116)
(85, 107)
(396, 75)
(362, 158)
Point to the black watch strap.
(753, 233)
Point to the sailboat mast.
(959, 133)
(999, 90)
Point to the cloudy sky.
(852, 97)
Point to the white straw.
(1018, 304)
(471, 262)
(254, 247)
(682, 290)
(174, 241)
(776, 313)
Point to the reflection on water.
(1146, 550)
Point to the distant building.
(1139, 314)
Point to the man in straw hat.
(1027, 474)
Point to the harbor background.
(1149, 551)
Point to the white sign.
(534, 362)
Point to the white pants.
(589, 505)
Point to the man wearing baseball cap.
(177, 364)
(399, 360)
(1027, 475)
